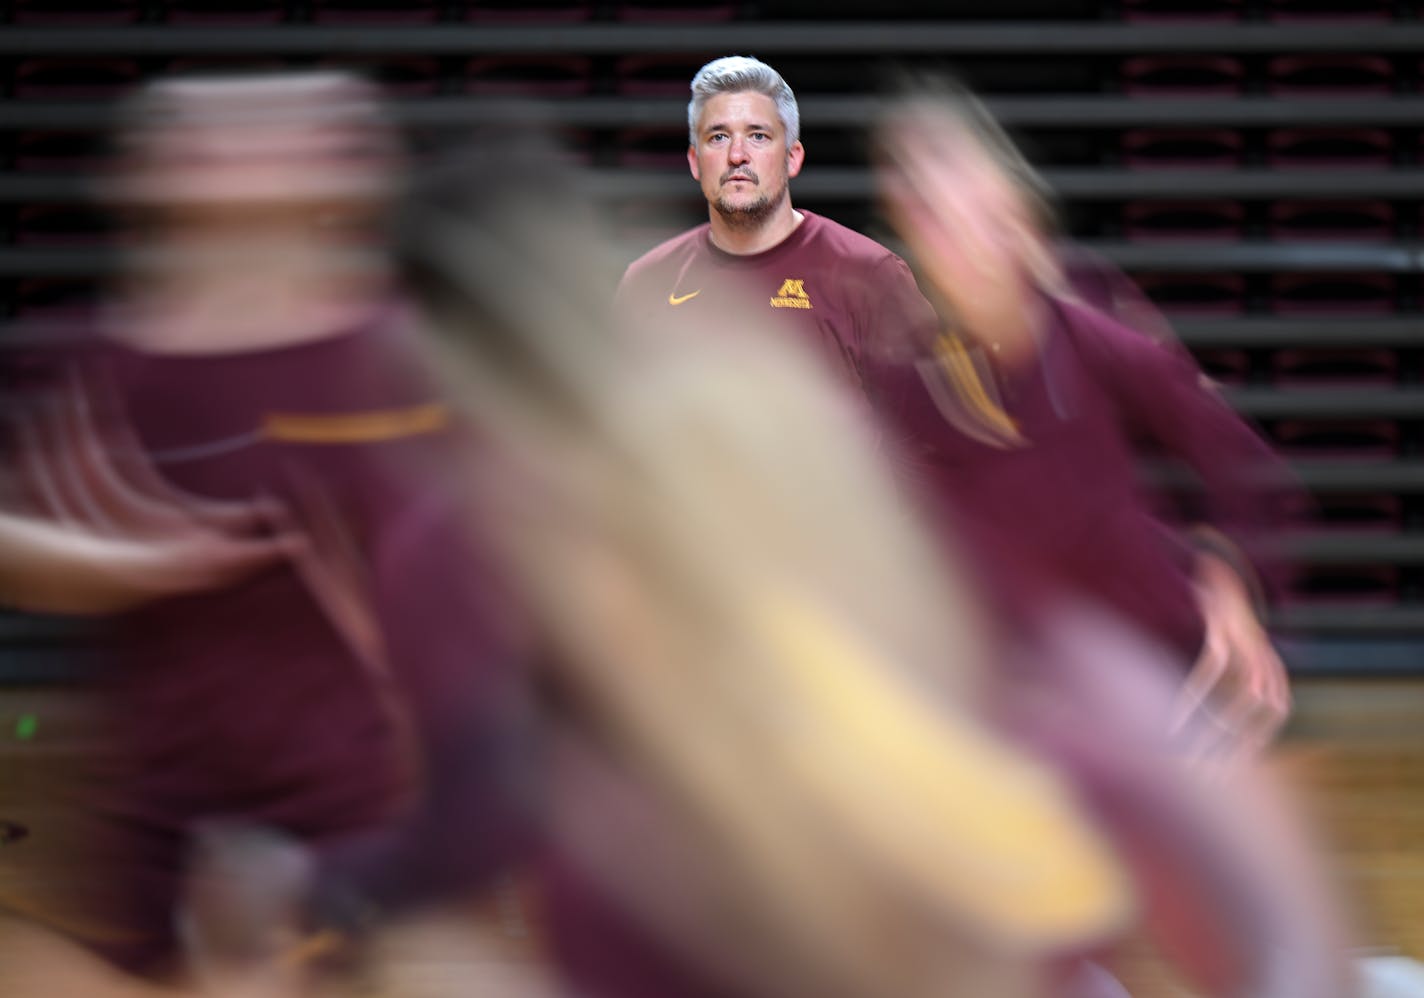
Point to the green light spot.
(26, 727)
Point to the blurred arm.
(1162, 394)
(48, 568)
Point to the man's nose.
(737, 153)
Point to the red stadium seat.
(653, 148)
(57, 152)
(1181, 10)
(234, 12)
(529, 76)
(76, 13)
(400, 76)
(221, 64)
(1328, 10)
(1195, 294)
(1183, 221)
(1335, 366)
(53, 298)
(1335, 439)
(1176, 148)
(60, 225)
(74, 78)
(657, 75)
(1354, 221)
(677, 13)
(1335, 294)
(542, 11)
(1183, 75)
(1329, 148)
(1333, 75)
(1356, 513)
(375, 11)
(1370, 585)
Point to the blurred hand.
(1237, 697)
(104, 533)
(243, 908)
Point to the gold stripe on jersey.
(355, 427)
(958, 366)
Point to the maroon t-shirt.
(852, 301)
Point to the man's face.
(741, 158)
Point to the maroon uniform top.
(1061, 511)
(247, 703)
(844, 295)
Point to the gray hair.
(736, 74)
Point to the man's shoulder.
(670, 252)
(847, 243)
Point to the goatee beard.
(747, 216)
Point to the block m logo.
(792, 294)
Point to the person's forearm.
(49, 568)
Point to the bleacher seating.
(1257, 164)
(1181, 75)
(235, 13)
(77, 13)
(377, 12)
(1354, 75)
(1372, 221)
(527, 11)
(1328, 10)
(1330, 149)
(1183, 221)
(1181, 10)
(676, 13)
(529, 76)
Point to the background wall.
(1254, 163)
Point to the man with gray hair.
(758, 262)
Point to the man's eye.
(714, 139)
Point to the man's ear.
(795, 156)
(692, 164)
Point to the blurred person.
(57, 568)
(760, 682)
(145, 546)
(772, 771)
(1045, 400)
(787, 757)
(1024, 423)
(260, 351)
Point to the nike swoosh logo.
(679, 299)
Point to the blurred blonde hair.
(328, 128)
(764, 633)
(931, 104)
(937, 117)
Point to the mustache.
(740, 172)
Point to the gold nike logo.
(679, 299)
